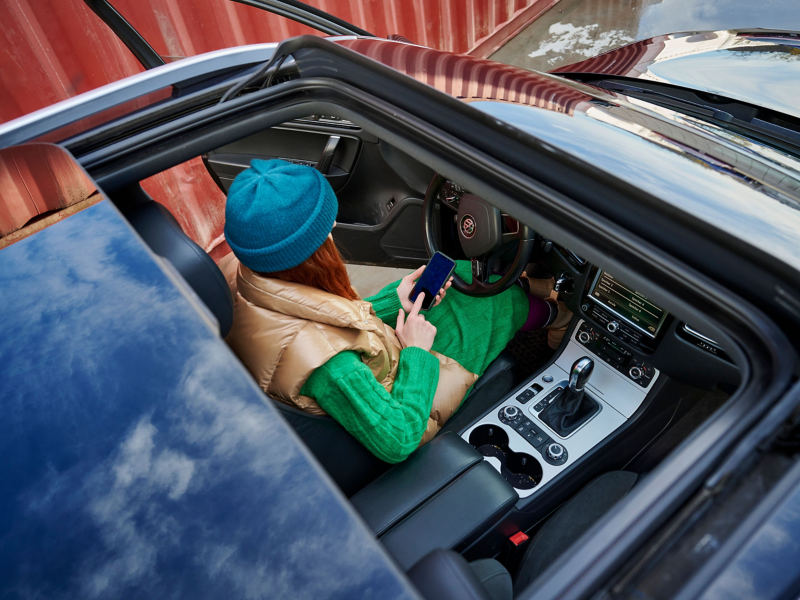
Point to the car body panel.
(140, 458)
(469, 78)
(40, 122)
(758, 67)
(726, 186)
(765, 563)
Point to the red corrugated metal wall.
(54, 49)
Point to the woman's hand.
(415, 330)
(407, 284)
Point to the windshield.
(581, 29)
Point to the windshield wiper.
(747, 120)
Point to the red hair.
(323, 270)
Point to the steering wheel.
(480, 233)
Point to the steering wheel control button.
(555, 451)
(613, 326)
(547, 378)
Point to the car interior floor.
(679, 428)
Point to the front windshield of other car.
(575, 30)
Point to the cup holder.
(521, 470)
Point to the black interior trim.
(409, 484)
(308, 15)
(143, 51)
(462, 511)
(445, 575)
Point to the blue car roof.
(140, 460)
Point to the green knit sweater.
(471, 330)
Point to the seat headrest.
(164, 235)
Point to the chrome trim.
(67, 111)
(697, 334)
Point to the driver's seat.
(349, 463)
(352, 466)
(345, 459)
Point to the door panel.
(293, 145)
(380, 190)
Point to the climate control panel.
(616, 326)
(614, 354)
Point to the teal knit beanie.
(278, 214)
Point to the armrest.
(409, 484)
(454, 517)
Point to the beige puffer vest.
(283, 331)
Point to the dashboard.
(631, 332)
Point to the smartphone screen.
(435, 275)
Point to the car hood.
(755, 66)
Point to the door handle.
(324, 162)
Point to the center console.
(515, 437)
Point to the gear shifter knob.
(580, 373)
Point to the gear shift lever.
(573, 407)
(580, 373)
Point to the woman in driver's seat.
(388, 374)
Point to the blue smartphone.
(433, 278)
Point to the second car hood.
(756, 66)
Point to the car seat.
(444, 574)
(349, 463)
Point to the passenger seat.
(445, 575)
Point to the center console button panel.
(529, 393)
(614, 354)
(624, 332)
(554, 453)
(548, 399)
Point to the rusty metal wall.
(51, 50)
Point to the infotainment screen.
(628, 304)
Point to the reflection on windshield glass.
(629, 147)
(758, 72)
(575, 30)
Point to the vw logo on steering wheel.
(468, 226)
